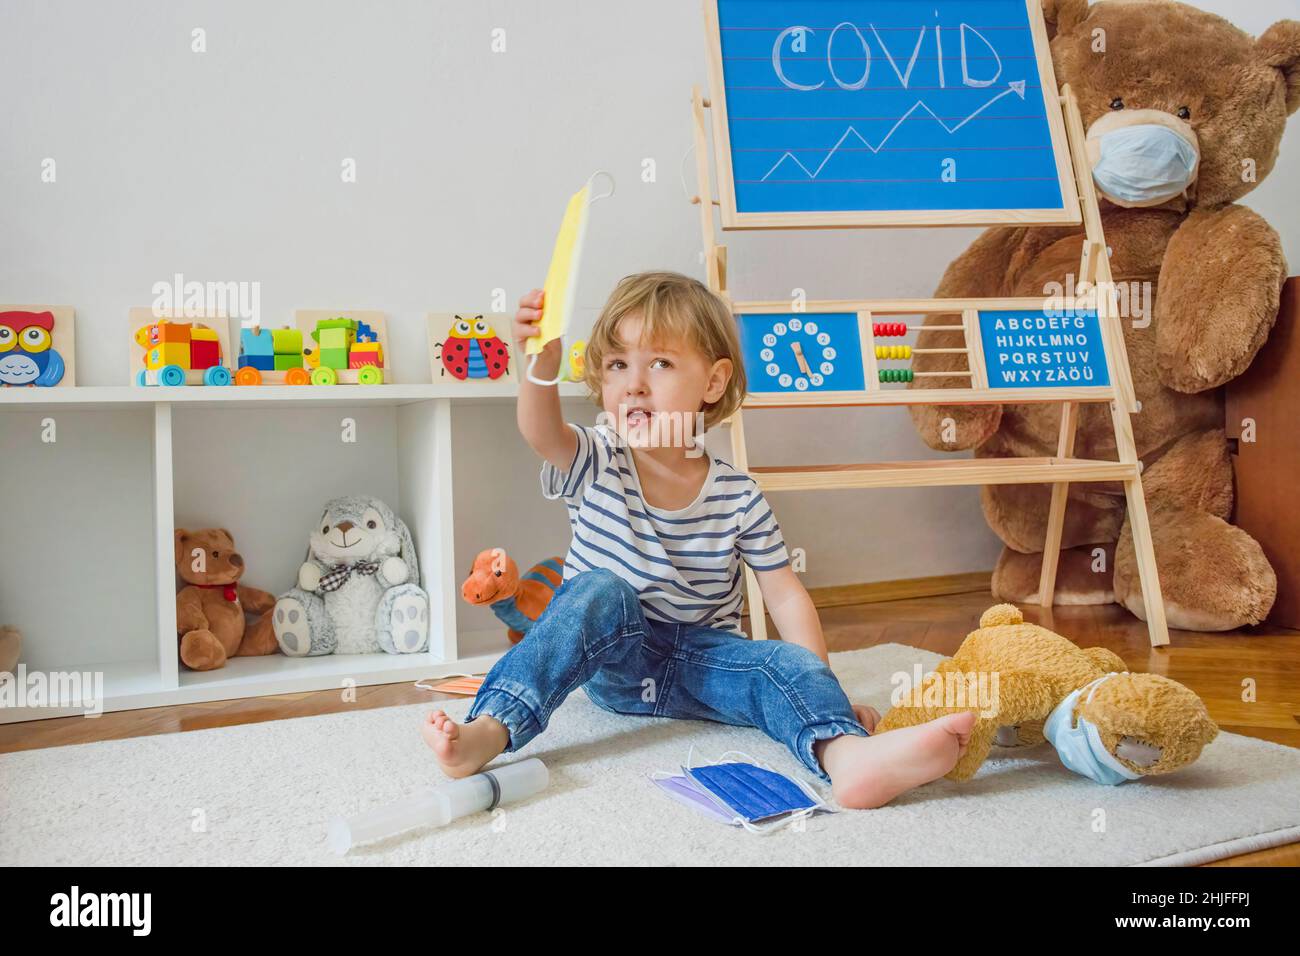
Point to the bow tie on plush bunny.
(335, 579)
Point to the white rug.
(262, 793)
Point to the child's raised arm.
(792, 609)
(540, 419)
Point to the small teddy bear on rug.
(359, 589)
(1106, 724)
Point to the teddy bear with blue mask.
(1183, 115)
(358, 589)
(1106, 723)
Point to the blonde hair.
(673, 308)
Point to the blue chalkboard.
(900, 107)
(1034, 348)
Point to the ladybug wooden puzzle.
(472, 349)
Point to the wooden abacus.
(886, 353)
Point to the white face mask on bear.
(1145, 165)
(1079, 744)
(1142, 157)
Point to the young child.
(647, 618)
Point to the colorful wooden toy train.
(348, 350)
(180, 353)
(271, 357)
(183, 353)
(345, 350)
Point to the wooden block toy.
(336, 323)
(205, 353)
(333, 358)
(177, 333)
(285, 362)
(168, 353)
(287, 341)
(256, 342)
(334, 333)
(344, 347)
(333, 338)
(147, 335)
(174, 352)
(263, 363)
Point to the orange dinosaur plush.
(210, 609)
(494, 580)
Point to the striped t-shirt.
(685, 564)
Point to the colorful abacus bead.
(895, 374)
(887, 329)
(893, 351)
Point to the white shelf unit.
(86, 570)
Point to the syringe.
(438, 806)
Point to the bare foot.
(464, 749)
(868, 772)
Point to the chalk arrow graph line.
(1017, 87)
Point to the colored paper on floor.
(467, 686)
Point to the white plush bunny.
(359, 589)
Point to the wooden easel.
(1059, 470)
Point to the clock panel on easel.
(802, 352)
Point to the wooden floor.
(1213, 665)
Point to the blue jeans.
(594, 634)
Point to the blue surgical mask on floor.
(1146, 163)
(1079, 743)
(743, 792)
(750, 791)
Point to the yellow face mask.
(560, 289)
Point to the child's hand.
(526, 319)
(867, 716)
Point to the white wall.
(225, 166)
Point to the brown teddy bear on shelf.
(210, 609)
(1106, 724)
(1184, 114)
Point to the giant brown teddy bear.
(1215, 270)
